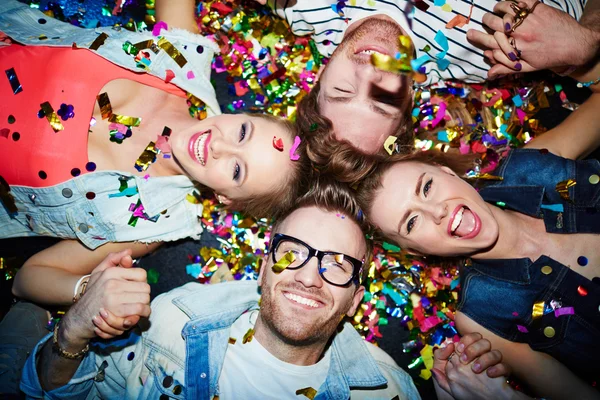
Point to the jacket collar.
(219, 306)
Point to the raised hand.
(546, 39)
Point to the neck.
(517, 237)
(292, 354)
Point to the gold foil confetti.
(99, 41)
(308, 392)
(172, 52)
(104, 103)
(284, 262)
(232, 340)
(563, 188)
(389, 144)
(538, 309)
(52, 117)
(125, 120)
(147, 157)
(485, 176)
(339, 258)
(146, 44)
(248, 336)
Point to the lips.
(302, 301)
(464, 223)
(371, 49)
(198, 147)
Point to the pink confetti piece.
(293, 155)
(497, 95)
(158, 26)
(190, 75)
(564, 311)
(515, 314)
(441, 113)
(521, 328)
(521, 115)
(169, 76)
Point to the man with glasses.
(221, 341)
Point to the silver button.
(67, 193)
(203, 375)
(83, 228)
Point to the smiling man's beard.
(385, 29)
(290, 329)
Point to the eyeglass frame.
(312, 252)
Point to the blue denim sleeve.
(78, 387)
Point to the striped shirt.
(320, 19)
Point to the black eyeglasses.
(337, 269)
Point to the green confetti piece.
(153, 276)
(391, 247)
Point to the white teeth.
(199, 148)
(301, 300)
(457, 219)
(369, 52)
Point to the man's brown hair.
(339, 157)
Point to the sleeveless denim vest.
(501, 295)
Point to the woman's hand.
(547, 39)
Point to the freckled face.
(298, 304)
(429, 210)
(234, 154)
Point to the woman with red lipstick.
(532, 235)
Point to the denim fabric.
(529, 184)
(187, 340)
(63, 210)
(500, 294)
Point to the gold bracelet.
(80, 287)
(65, 354)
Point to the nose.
(438, 211)
(368, 74)
(308, 275)
(218, 147)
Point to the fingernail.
(95, 319)
(463, 357)
(512, 56)
(507, 27)
(476, 367)
(518, 66)
(461, 347)
(126, 323)
(103, 313)
(491, 370)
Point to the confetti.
(248, 336)
(52, 117)
(388, 145)
(307, 392)
(147, 158)
(563, 188)
(538, 310)
(99, 41)
(278, 143)
(13, 79)
(293, 155)
(172, 52)
(284, 262)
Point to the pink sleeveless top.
(31, 152)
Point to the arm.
(578, 135)
(122, 291)
(542, 373)
(49, 276)
(177, 14)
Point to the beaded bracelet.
(588, 83)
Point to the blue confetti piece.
(454, 284)
(517, 100)
(442, 40)
(127, 192)
(443, 63)
(194, 270)
(439, 3)
(417, 62)
(416, 111)
(503, 129)
(553, 207)
(443, 136)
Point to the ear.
(358, 297)
(319, 72)
(263, 267)
(223, 199)
(447, 170)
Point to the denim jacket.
(66, 210)
(501, 294)
(182, 353)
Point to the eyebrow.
(249, 136)
(407, 213)
(381, 111)
(332, 99)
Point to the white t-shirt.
(251, 372)
(326, 27)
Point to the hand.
(547, 39)
(471, 347)
(123, 292)
(466, 384)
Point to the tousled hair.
(339, 157)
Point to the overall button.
(203, 375)
(83, 228)
(168, 381)
(163, 397)
(177, 390)
(546, 270)
(67, 193)
(594, 179)
(549, 332)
